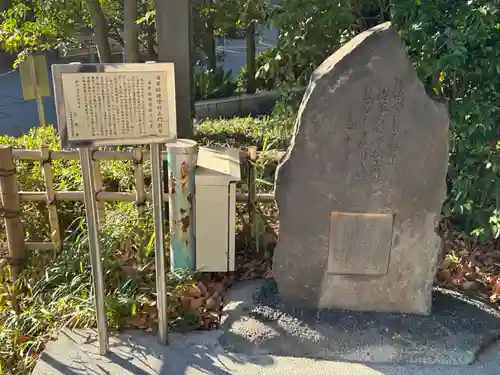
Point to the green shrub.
(57, 293)
(213, 84)
(54, 292)
(454, 48)
(117, 176)
(266, 77)
(274, 131)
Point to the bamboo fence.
(11, 197)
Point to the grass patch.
(267, 132)
(56, 293)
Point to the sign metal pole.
(91, 210)
(145, 114)
(159, 222)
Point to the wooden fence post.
(252, 191)
(140, 199)
(55, 232)
(99, 186)
(11, 210)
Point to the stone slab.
(368, 140)
(454, 334)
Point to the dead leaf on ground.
(469, 285)
(213, 303)
(202, 288)
(196, 303)
(194, 292)
(138, 321)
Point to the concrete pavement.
(137, 352)
(76, 353)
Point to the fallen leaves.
(205, 299)
(251, 264)
(202, 300)
(22, 339)
(469, 266)
(495, 287)
(140, 321)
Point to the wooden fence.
(16, 245)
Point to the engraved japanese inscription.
(372, 141)
(360, 244)
(116, 105)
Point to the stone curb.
(239, 106)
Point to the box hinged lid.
(218, 166)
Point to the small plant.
(52, 294)
(267, 75)
(213, 84)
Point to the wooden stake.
(252, 190)
(55, 232)
(140, 199)
(11, 210)
(99, 187)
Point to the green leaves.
(40, 25)
(149, 18)
(213, 84)
(459, 41)
(454, 48)
(312, 30)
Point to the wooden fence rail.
(16, 245)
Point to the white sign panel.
(115, 104)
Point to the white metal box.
(215, 210)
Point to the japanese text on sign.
(116, 105)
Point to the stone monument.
(360, 189)
(359, 194)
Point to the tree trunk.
(100, 26)
(209, 43)
(5, 4)
(251, 55)
(151, 31)
(174, 40)
(131, 31)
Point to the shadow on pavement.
(137, 352)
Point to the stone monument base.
(455, 332)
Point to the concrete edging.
(239, 106)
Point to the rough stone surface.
(454, 334)
(368, 141)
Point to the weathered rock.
(361, 187)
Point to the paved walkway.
(137, 352)
(76, 353)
